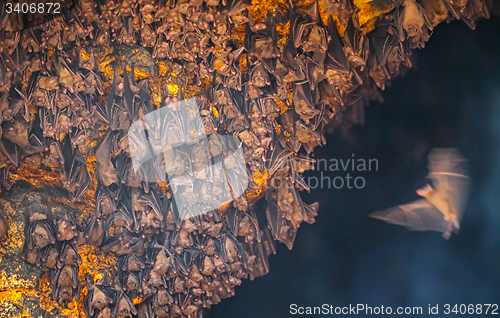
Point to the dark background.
(451, 98)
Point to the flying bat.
(444, 200)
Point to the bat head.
(426, 191)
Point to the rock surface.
(24, 288)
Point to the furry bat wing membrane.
(443, 203)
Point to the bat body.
(443, 202)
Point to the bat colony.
(275, 91)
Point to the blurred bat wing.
(419, 215)
(444, 161)
(449, 172)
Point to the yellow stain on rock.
(283, 30)
(11, 298)
(173, 88)
(261, 8)
(14, 240)
(155, 88)
(14, 282)
(281, 105)
(140, 74)
(261, 180)
(368, 12)
(215, 112)
(238, 34)
(137, 300)
(278, 129)
(163, 68)
(85, 56)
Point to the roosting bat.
(444, 202)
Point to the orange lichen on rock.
(281, 105)
(85, 56)
(14, 282)
(368, 12)
(15, 238)
(173, 88)
(164, 186)
(163, 68)
(15, 295)
(36, 175)
(304, 4)
(12, 298)
(155, 88)
(93, 261)
(260, 8)
(224, 207)
(283, 30)
(238, 34)
(13, 242)
(255, 195)
(261, 180)
(278, 129)
(215, 112)
(243, 62)
(191, 89)
(137, 301)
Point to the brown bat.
(65, 284)
(124, 307)
(4, 225)
(50, 256)
(99, 296)
(38, 229)
(444, 201)
(68, 255)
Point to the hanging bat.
(132, 263)
(124, 306)
(144, 310)
(68, 256)
(444, 201)
(66, 227)
(38, 229)
(99, 296)
(130, 281)
(161, 299)
(65, 284)
(106, 171)
(4, 225)
(95, 231)
(50, 256)
(153, 279)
